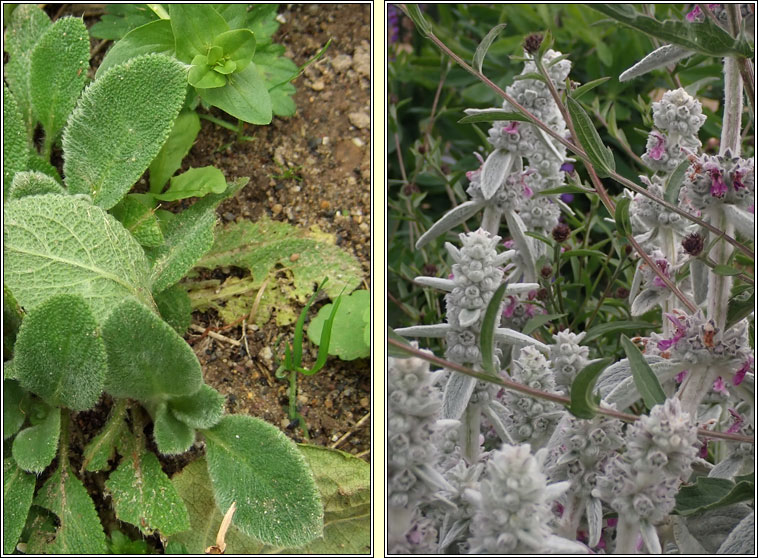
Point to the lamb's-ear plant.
(87, 295)
(293, 355)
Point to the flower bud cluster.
(716, 179)
(518, 312)
(647, 214)
(476, 275)
(678, 117)
(539, 214)
(641, 484)
(567, 358)
(414, 406)
(650, 279)
(461, 478)
(584, 447)
(513, 504)
(697, 341)
(531, 420)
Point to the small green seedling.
(293, 356)
(288, 173)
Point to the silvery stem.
(697, 383)
(470, 428)
(491, 219)
(719, 286)
(626, 536)
(730, 131)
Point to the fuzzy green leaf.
(15, 151)
(138, 217)
(740, 307)
(252, 463)
(589, 86)
(723, 269)
(674, 182)
(12, 318)
(538, 321)
(196, 182)
(18, 491)
(414, 12)
(265, 247)
(155, 37)
(584, 404)
(245, 96)
(347, 331)
(14, 402)
(202, 409)
(188, 235)
(27, 24)
(102, 447)
(704, 37)
(178, 144)
(600, 156)
(710, 493)
(82, 249)
(59, 64)
(175, 307)
(171, 435)
(33, 183)
(120, 19)
(34, 447)
(238, 46)
(120, 125)
(644, 378)
(195, 26)
(146, 358)
(79, 531)
(60, 355)
(143, 495)
(39, 164)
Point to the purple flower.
(737, 421)
(737, 180)
(511, 128)
(393, 23)
(694, 14)
(567, 198)
(703, 450)
(718, 186)
(656, 152)
(663, 265)
(508, 310)
(719, 386)
(680, 377)
(567, 167)
(740, 374)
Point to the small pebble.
(276, 209)
(359, 119)
(317, 85)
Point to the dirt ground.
(327, 145)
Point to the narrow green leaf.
(155, 37)
(59, 64)
(119, 126)
(415, 13)
(79, 530)
(143, 495)
(710, 493)
(18, 491)
(674, 182)
(491, 115)
(600, 156)
(613, 327)
(195, 182)
(252, 463)
(245, 96)
(644, 378)
(589, 86)
(740, 307)
(296, 358)
(178, 144)
(704, 37)
(491, 321)
(623, 222)
(60, 355)
(568, 189)
(584, 404)
(15, 151)
(105, 269)
(171, 435)
(195, 26)
(538, 321)
(481, 50)
(202, 409)
(725, 270)
(326, 334)
(164, 365)
(34, 448)
(581, 252)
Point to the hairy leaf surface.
(15, 151)
(33, 183)
(120, 124)
(252, 463)
(34, 447)
(18, 491)
(202, 409)
(57, 244)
